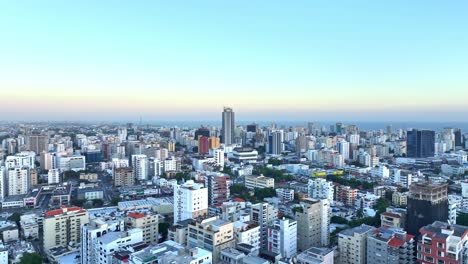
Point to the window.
(440, 245)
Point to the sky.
(311, 60)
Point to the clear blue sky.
(307, 60)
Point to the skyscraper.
(275, 142)
(227, 133)
(420, 143)
(38, 143)
(427, 202)
(140, 167)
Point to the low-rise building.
(315, 255)
(393, 218)
(261, 181)
(29, 226)
(170, 252)
(148, 222)
(400, 199)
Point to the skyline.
(320, 61)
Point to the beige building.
(63, 226)
(313, 224)
(33, 177)
(148, 222)
(253, 182)
(212, 234)
(214, 142)
(91, 177)
(393, 218)
(124, 177)
(400, 199)
(352, 244)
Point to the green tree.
(31, 258)
(163, 229)
(275, 162)
(339, 220)
(15, 217)
(462, 219)
(262, 193)
(359, 213)
(98, 202)
(115, 201)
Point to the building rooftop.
(64, 210)
(357, 230)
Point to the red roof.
(239, 200)
(396, 242)
(63, 210)
(136, 215)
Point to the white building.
(261, 181)
(380, 172)
(190, 201)
(282, 237)
(23, 159)
(464, 186)
(170, 164)
(244, 154)
(319, 188)
(71, 163)
(316, 255)
(263, 214)
(247, 233)
(218, 155)
(91, 232)
(343, 148)
(3, 254)
(140, 166)
(3, 183)
(29, 226)
(53, 176)
(402, 177)
(172, 252)
(286, 195)
(120, 163)
(18, 180)
(107, 244)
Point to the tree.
(115, 201)
(163, 230)
(15, 217)
(31, 258)
(262, 193)
(98, 202)
(275, 162)
(462, 219)
(182, 176)
(79, 202)
(359, 213)
(339, 220)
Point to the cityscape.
(234, 132)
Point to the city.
(140, 193)
(234, 132)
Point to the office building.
(427, 202)
(313, 223)
(244, 154)
(218, 188)
(23, 159)
(38, 143)
(190, 201)
(71, 163)
(140, 167)
(420, 143)
(147, 222)
(62, 227)
(123, 177)
(228, 125)
(282, 237)
(275, 142)
(389, 245)
(211, 234)
(252, 182)
(352, 244)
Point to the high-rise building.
(343, 148)
(352, 244)
(320, 188)
(53, 176)
(301, 145)
(252, 128)
(275, 142)
(23, 159)
(227, 133)
(263, 214)
(390, 245)
(214, 142)
(33, 177)
(91, 232)
(18, 180)
(48, 161)
(218, 188)
(458, 138)
(123, 177)
(440, 242)
(427, 202)
(282, 237)
(62, 227)
(190, 201)
(212, 234)
(420, 143)
(3, 183)
(203, 145)
(140, 167)
(313, 223)
(202, 131)
(108, 244)
(147, 222)
(38, 143)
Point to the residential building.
(286, 195)
(123, 177)
(147, 222)
(24, 159)
(140, 167)
(319, 188)
(190, 201)
(313, 223)
(393, 218)
(263, 214)
(53, 176)
(109, 243)
(214, 142)
(38, 143)
(218, 188)
(440, 242)
(253, 181)
(352, 244)
(71, 163)
(170, 252)
(427, 202)
(18, 180)
(315, 255)
(400, 199)
(62, 227)
(389, 245)
(247, 233)
(211, 234)
(346, 195)
(29, 226)
(282, 237)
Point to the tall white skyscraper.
(18, 180)
(282, 237)
(227, 133)
(343, 148)
(140, 166)
(190, 201)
